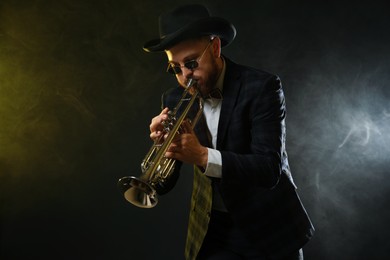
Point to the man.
(244, 203)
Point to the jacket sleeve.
(260, 163)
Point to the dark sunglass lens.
(174, 69)
(192, 64)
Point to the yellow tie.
(199, 213)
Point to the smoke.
(77, 94)
(338, 135)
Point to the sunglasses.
(191, 64)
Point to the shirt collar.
(221, 76)
(219, 85)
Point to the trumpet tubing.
(156, 168)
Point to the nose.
(187, 73)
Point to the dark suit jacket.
(257, 187)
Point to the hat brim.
(207, 26)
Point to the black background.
(77, 93)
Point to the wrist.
(204, 157)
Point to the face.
(206, 52)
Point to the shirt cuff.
(214, 164)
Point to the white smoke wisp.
(362, 128)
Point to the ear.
(216, 46)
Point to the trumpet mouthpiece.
(190, 82)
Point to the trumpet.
(156, 168)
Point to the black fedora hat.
(189, 21)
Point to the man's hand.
(156, 128)
(185, 147)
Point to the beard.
(210, 81)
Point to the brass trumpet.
(155, 167)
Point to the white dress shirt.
(212, 111)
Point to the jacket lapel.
(231, 89)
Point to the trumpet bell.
(138, 192)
